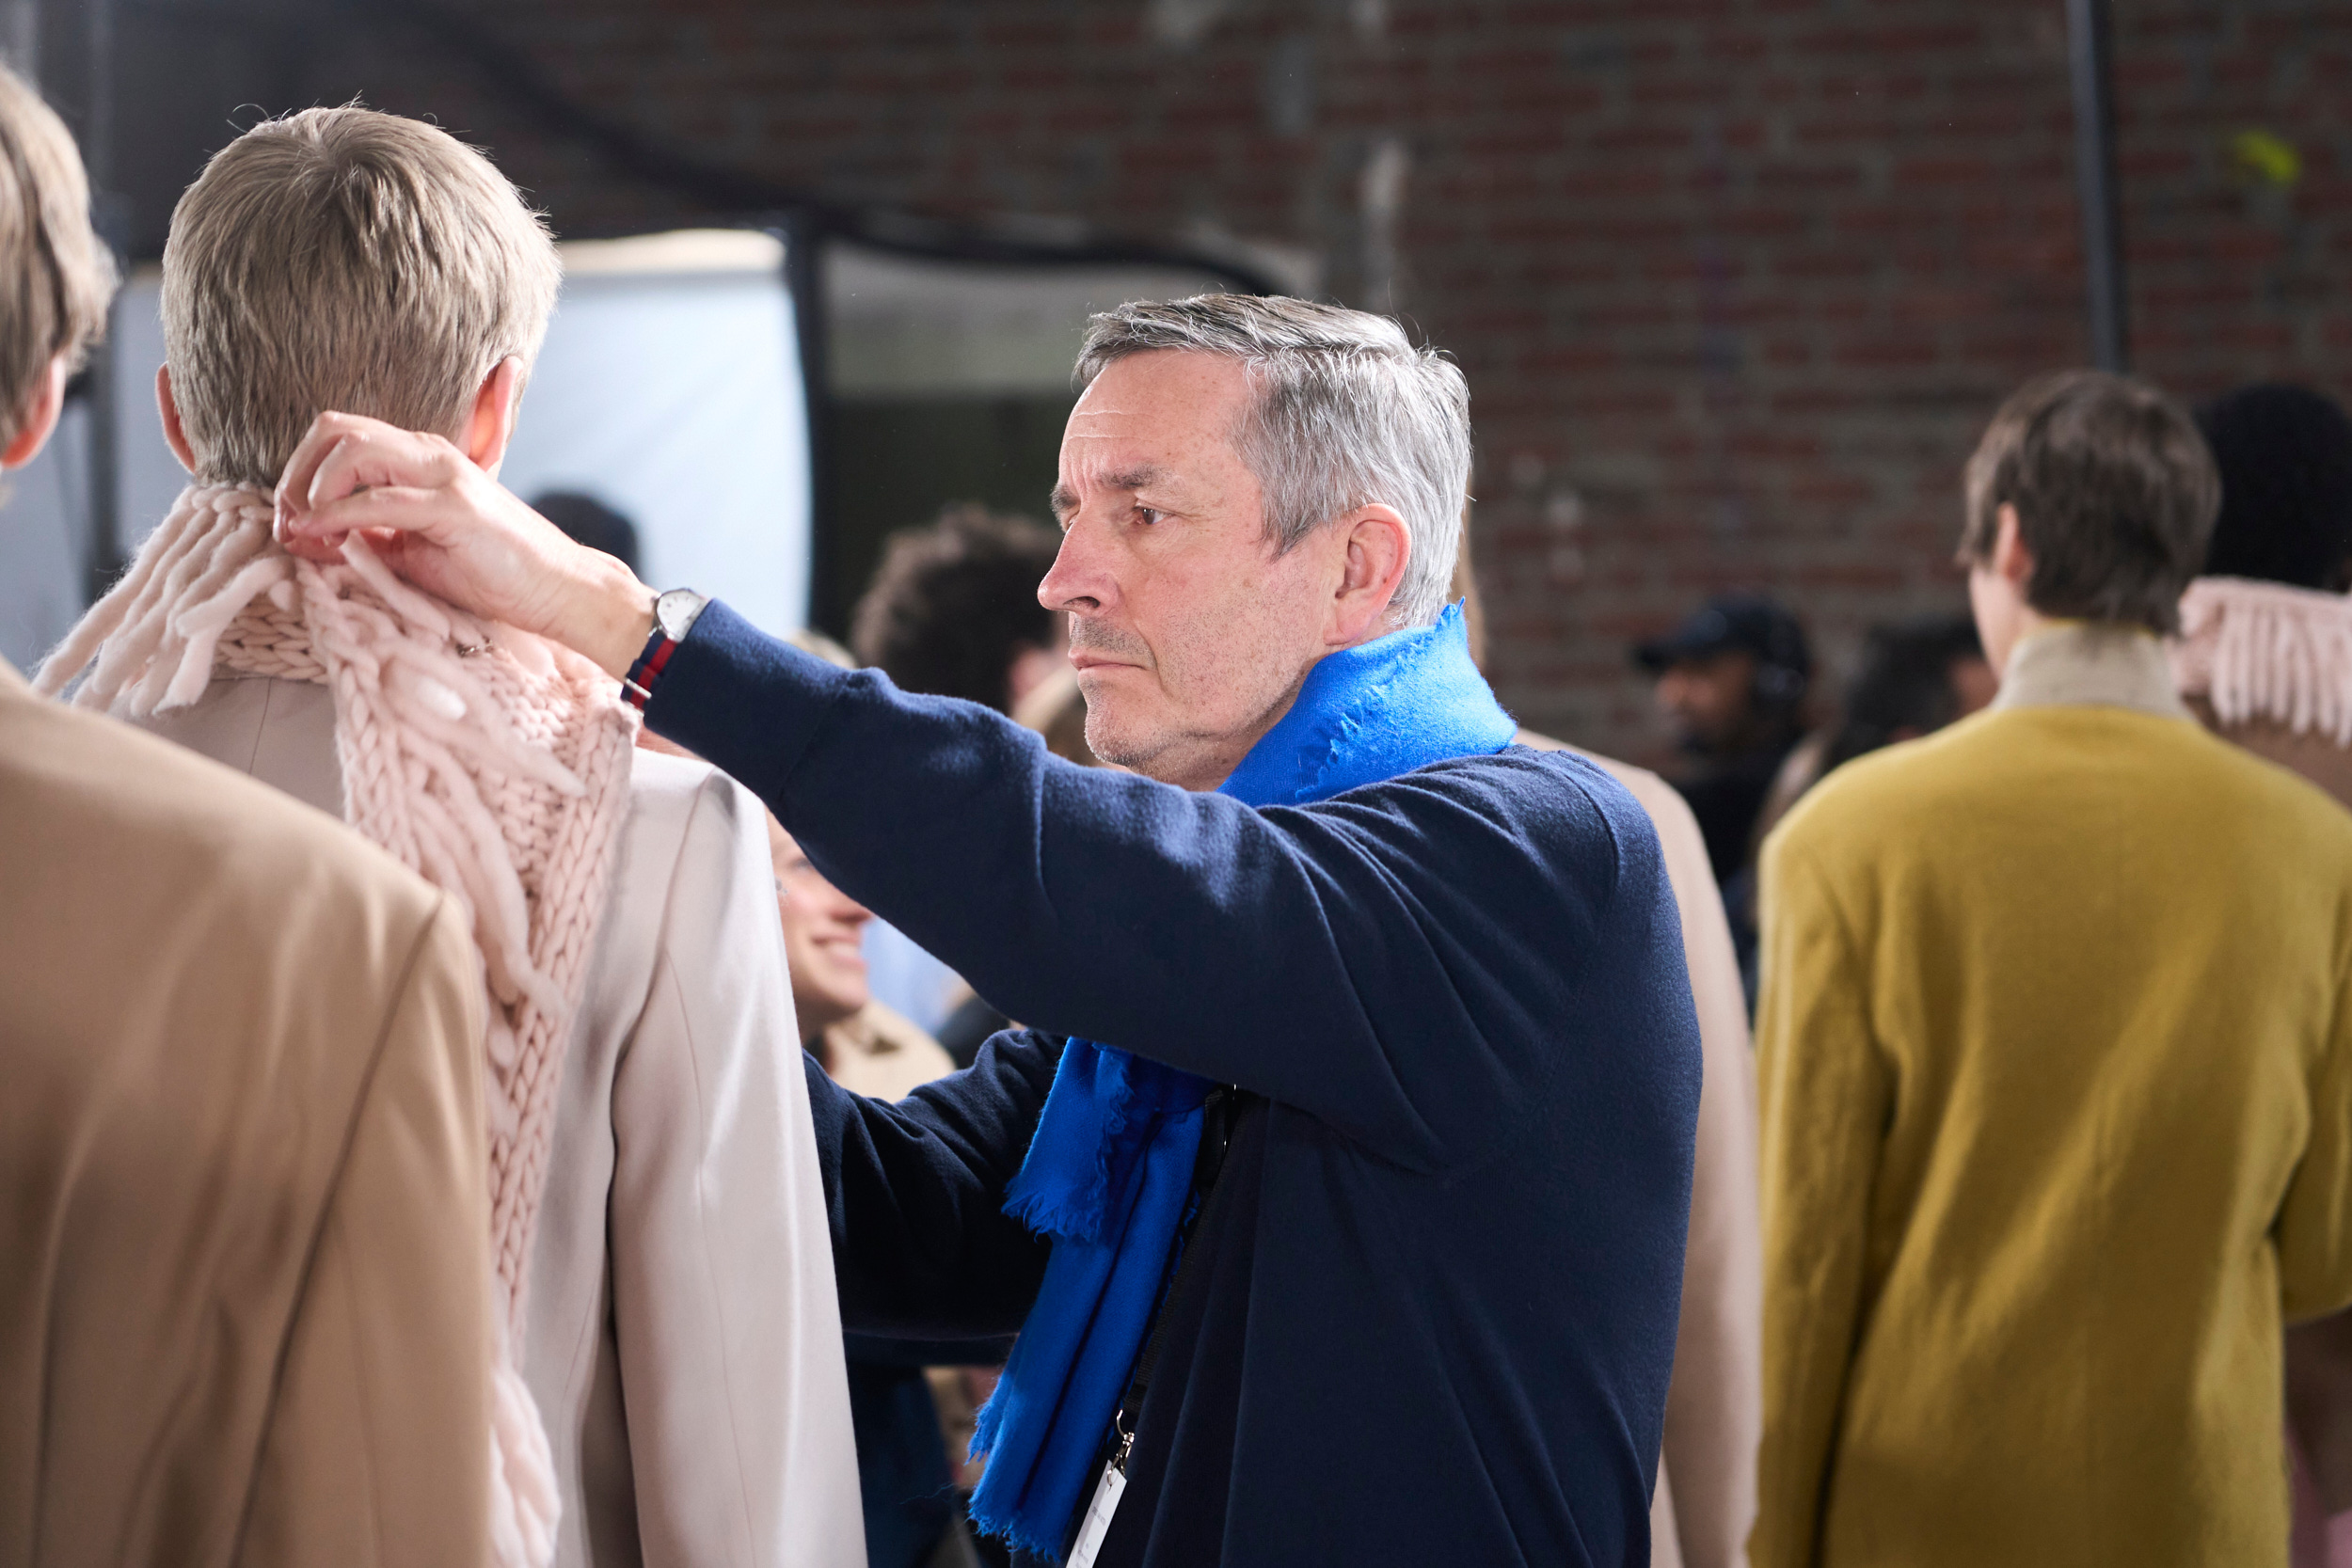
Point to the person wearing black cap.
(1733, 679)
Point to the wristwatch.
(673, 615)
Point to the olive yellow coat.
(2056, 1094)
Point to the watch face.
(675, 612)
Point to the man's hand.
(440, 521)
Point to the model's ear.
(2012, 558)
(175, 434)
(491, 425)
(38, 420)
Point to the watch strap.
(673, 617)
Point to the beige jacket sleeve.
(723, 1303)
(1715, 1405)
(1705, 1499)
(378, 1446)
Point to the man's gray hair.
(1348, 413)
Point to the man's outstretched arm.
(1373, 961)
(915, 1193)
(1335, 958)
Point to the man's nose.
(1080, 580)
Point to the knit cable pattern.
(492, 763)
(2262, 650)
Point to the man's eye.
(1148, 516)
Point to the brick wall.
(1734, 281)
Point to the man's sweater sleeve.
(1825, 1095)
(1356, 959)
(915, 1192)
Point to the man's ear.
(491, 424)
(2012, 558)
(38, 420)
(175, 434)
(1377, 548)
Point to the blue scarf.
(1110, 1169)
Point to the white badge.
(1097, 1519)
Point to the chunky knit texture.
(2262, 650)
(490, 762)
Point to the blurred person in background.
(589, 521)
(1915, 677)
(2055, 1058)
(1704, 1503)
(953, 611)
(2266, 649)
(245, 1298)
(2265, 658)
(668, 1348)
(1732, 681)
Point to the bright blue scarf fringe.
(1111, 1169)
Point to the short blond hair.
(55, 274)
(343, 259)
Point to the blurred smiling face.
(1189, 633)
(823, 930)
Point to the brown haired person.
(668, 1356)
(2056, 1056)
(244, 1301)
(953, 611)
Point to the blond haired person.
(679, 1329)
(244, 1302)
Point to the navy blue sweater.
(1435, 1303)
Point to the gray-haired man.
(1338, 1192)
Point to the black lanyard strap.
(1216, 1134)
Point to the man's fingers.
(295, 484)
(346, 454)
(378, 508)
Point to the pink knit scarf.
(2264, 651)
(491, 763)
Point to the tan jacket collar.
(2078, 663)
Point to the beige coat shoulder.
(243, 1164)
(1706, 1497)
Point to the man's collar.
(2091, 663)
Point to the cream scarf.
(493, 764)
(2262, 650)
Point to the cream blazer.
(1705, 1499)
(245, 1305)
(683, 1339)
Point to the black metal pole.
(805, 236)
(105, 560)
(97, 145)
(2090, 52)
